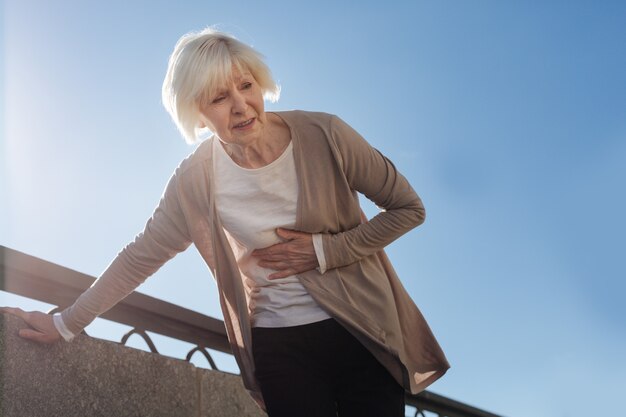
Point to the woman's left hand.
(288, 258)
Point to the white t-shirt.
(252, 203)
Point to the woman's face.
(236, 112)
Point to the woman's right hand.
(43, 329)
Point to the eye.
(246, 86)
(218, 99)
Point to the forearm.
(118, 280)
(369, 237)
(368, 171)
(164, 235)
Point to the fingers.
(299, 244)
(272, 253)
(280, 247)
(42, 329)
(15, 312)
(291, 257)
(286, 266)
(283, 270)
(36, 336)
(277, 266)
(29, 334)
(282, 274)
(289, 234)
(285, 260)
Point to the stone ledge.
(91, 377)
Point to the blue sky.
(509, 119)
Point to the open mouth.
(244, 123)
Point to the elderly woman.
(317, 319)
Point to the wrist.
(61, 328)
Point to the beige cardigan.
(360, 288)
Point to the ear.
(203, 122)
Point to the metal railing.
(44, 281)
(37, 279)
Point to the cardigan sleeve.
(369, 172)
(164, 235)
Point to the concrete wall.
(91, 377)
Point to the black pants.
(321, 370)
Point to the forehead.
(223, 79)
(238, 74)
(226, 79)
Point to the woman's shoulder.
(312, 124)
(298, 117)
(198, 158)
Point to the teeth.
(244, 123)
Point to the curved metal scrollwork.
(419, 412)
(145, 337)
(206, 355)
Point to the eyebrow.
(221, 90)
(242, 75)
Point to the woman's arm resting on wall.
(164, 235)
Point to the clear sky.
(509, 119)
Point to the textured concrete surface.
(224, 395)
(90, 377)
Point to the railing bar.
(37, 279)
(444, 406)
(136, 310)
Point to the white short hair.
(202, 62)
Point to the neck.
(255, 155)
(265, 150)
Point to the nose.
(239, 103)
